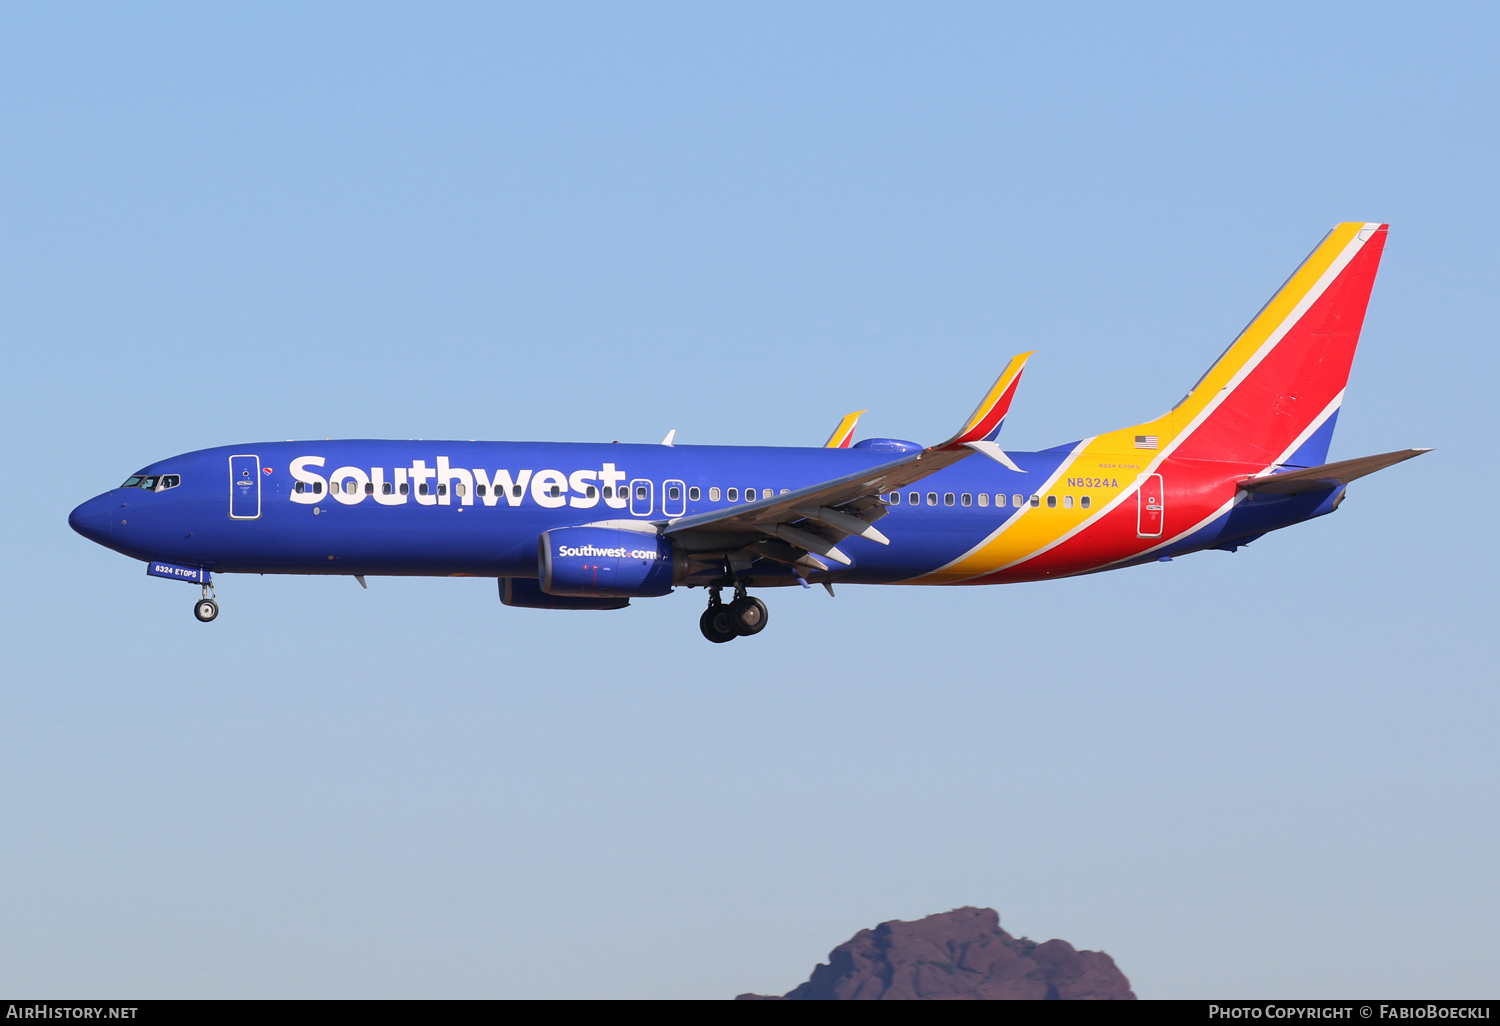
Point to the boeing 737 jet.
(592, 526)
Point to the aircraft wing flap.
(1329, 475)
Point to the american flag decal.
(1145, 441)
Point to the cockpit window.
(153, 482)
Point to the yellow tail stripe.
(1113, 453)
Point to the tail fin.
(1274, 395)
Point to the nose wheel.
(205, 609)
(723, 622)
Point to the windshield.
(152, 482)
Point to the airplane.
(592, 526)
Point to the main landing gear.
(743, 617)
(205, 609)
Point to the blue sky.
(1271, 773)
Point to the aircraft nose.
(94, 518)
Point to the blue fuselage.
(478, 508)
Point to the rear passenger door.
(1150, 507)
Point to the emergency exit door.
(1151, 505)
(244, 487)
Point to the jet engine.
(605, 562)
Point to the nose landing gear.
(205, 609)
(743, 617)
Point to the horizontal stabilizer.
(1329, 475)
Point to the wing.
(790, 528)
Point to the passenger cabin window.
(932, 498)
(895, 498)
(588, 493)
(370, 487)
(999, 499)
(385, 488)
(713, 495)
(1067, 502)
(443, 489)
(947, 498)
(609, 493)
(459, 489)
(1020, 500)
(1051, 502)
(734, 495)
(1036, 500)
(405, 488)
(516, 491)
(966, 499)
(749, 494)
(422, 488)
(915, 498)
(640, 491)
(297, 487)
(1084, 502)
(674, 492)
(317, 487)
(695, 493)
(984, 499)
(555, 491)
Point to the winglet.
(844, 433)
(984, 424)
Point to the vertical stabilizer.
(1274, 395)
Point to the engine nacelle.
(528, 594)
(605, 562)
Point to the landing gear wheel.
(749, 615)
(717, 625)
(206, 609)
